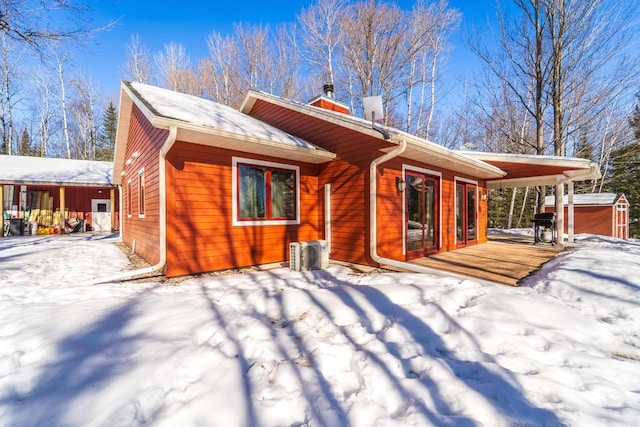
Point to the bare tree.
(175, 69)
(373, 46)
(37, 22)
(520, 62)
(592, 61)
(83, 107)
(60, 60)
(219, 72)
(431, 24)
(321, 36)
(43, 110)
(253, 47)
(10, 58)
(286, 62)
(138, 63)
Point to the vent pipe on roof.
(328, 90)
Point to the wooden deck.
(503, 259)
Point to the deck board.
(503, 259)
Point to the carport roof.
(52, 171)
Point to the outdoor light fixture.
(401, 185)
(483, 195)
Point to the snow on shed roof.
(586, 199)
(203, 112)
(50, 171)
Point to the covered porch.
(505, 259)
(525, 170)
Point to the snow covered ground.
(323, 348)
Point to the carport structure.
(529, 171)
(57, 189)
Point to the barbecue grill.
(544, 221)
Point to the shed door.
(101, 215)
(621, 223)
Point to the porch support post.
(2, 209)
(112, 203)
(560, 213)
(63, 206)
(570, 213)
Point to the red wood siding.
(589, 219)
(348, 175)
(147, 141)
(390, 224)
(200, 232)
(349, 178)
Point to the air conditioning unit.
(311, 255)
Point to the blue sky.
(189, 23)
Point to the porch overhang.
(530, 170)
(434, 154)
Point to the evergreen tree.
(107, 137)
(625, 178)
(25, 147)
(635, 120)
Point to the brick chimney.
(328, 101)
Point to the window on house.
(266, 193)
(129, 198)
(141, 195)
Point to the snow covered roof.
(50, 171)
(204, 122)
(202, 112)
(586, 199)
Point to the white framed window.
(141, 193)
(265, 193)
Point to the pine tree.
(635, 120)
(25, 147)
(107, 137)
(625, 178)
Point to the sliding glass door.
(466, 213)
(422, 220)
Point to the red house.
(605, 214)
(206, 187)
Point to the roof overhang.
(434, 154)
(530, 170)
(417, 149)
(204, 135)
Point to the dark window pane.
(252, 192)
(283, 194)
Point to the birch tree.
(59, 62)
(138, 65)
(219, 72)
(83, 108)
(321, 37)
(10, 57)
(175, 70)
(42, 108)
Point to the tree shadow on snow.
(510, 401)
(83, 363)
